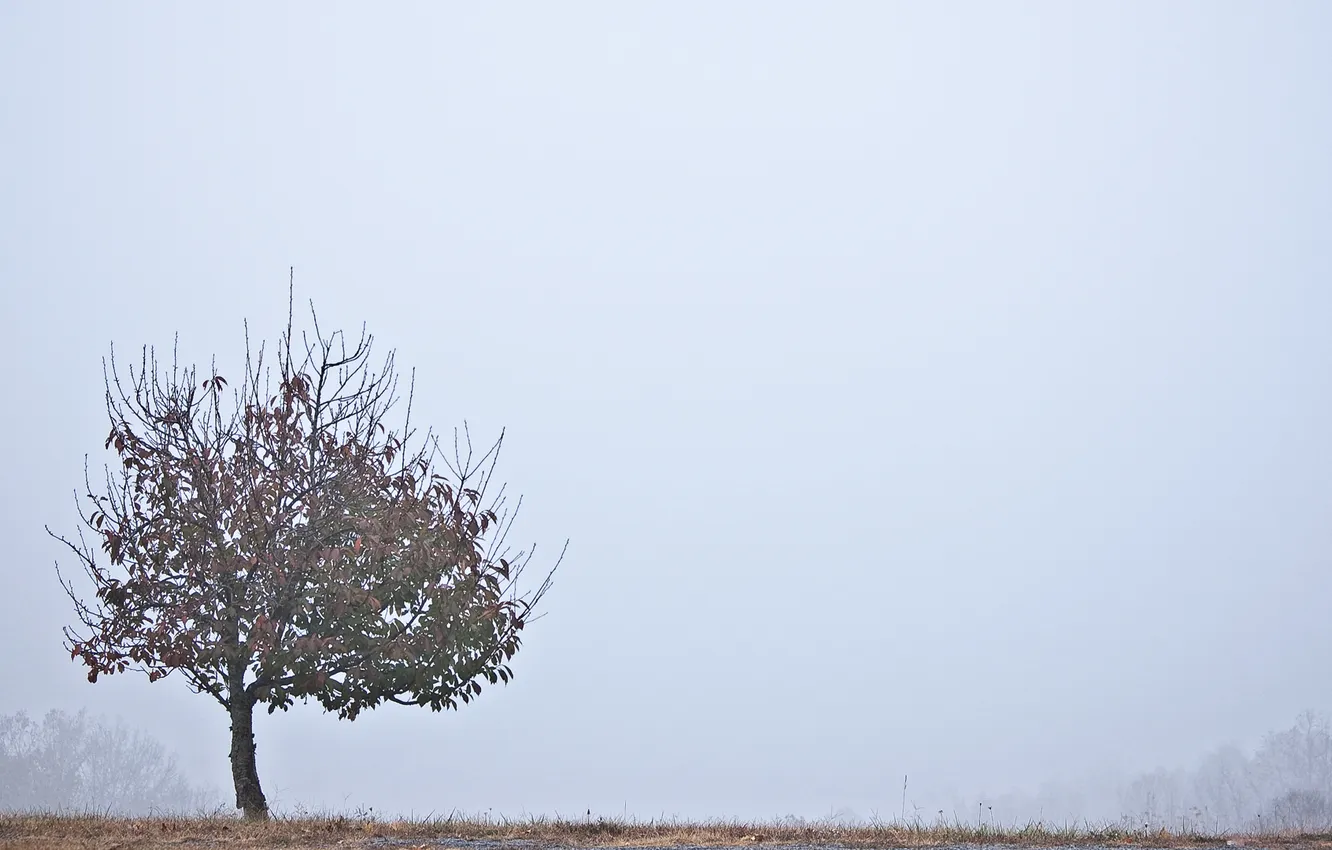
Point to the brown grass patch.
(63, 832)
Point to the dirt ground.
(48, 832)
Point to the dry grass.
(64, 832)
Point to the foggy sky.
(935, 389)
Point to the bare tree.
(1223, 786)
(1155, 799)
(1298, 758)
(39, 762)
(291, 544)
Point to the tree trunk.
(244, 773)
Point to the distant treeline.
(76, 763)
(1284, 785)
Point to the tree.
(291, 545)
(74, 762)
(1224, 786)
(1155, 799)
(1298, 758)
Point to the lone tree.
(281, 541)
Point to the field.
(63, 832)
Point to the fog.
(934, 390)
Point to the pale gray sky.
(935, 388)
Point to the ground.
(50, 832)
